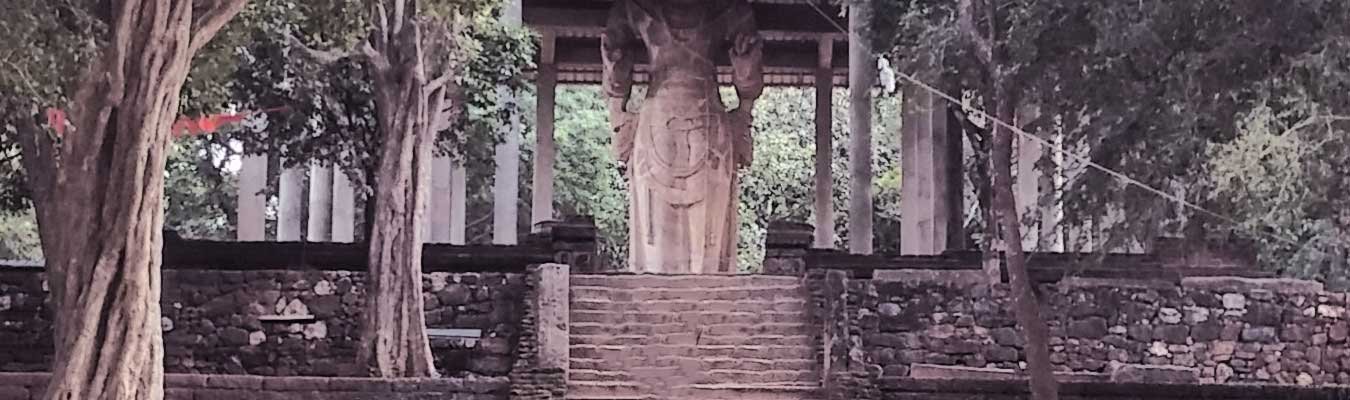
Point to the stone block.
(235, 382)
(1090, 328)
(1243, 285)
(14, 392)
(1155, 374)
(186, 381)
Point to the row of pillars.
(331, 213)
(931, 193)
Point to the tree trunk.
(394, 330)
(1026, 306)
(99, 192)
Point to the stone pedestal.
(574, 242)
(785, 247)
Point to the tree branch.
(210, 23)
(322, 56)
(984, 50)
(377, 59)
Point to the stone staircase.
(701, 337)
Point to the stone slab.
(945, 277)
(1155, 374)
(933, 371)
(1246, 285)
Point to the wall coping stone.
(1082, 282)
(935, 371)
(1155, 374)
(1242, 285)
(958, 278)
(245, 383)
(1129, 390)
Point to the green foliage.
(200, 195)
(1141, 87)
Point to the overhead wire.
(1044, 143)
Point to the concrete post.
(541, 201)
(926, 185)
(344, 208)
(458, 202)
(291, 204)
(438, 205)
(824, 119)
(320, 227)
(862, 70)
(252, 206)
(506, 179)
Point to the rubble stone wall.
(29, 386)
(283, 322)
(1229, 330)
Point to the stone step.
(754, 392)
(724, 391)
(624, 329)
(694, 339)
(608, 390)
(597, 375)
(700, 363)
(782, 305)
(771, 377)
(594, 357)
(708, 293)
(646, 317)
(681, 281)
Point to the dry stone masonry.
(283, 322)
(1222, 330)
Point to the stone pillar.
(320, 227)
(458, 202)
(1037, 176)
(251, 214)
(291, 204)
(438, 204)
(928, 184)
(824, 188)
(506, 179)
(541, 204)
(785, 247)
(344, 208)
(551, 301)
(862, 70)
(835, 334)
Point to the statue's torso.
(681, 44)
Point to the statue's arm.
(747, 54)
(617, 48)
(747, 57)
(617, 51)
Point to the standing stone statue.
(683, 148)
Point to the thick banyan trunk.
(98, 193)
(1025, 305)
(394, 335)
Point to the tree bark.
(394, 330)
(1026, 307)
(99, 191)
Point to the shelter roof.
(791, 30)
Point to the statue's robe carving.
(683, 147)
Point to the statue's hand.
(624, 124)
(743, 144)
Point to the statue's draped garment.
(683, 148)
